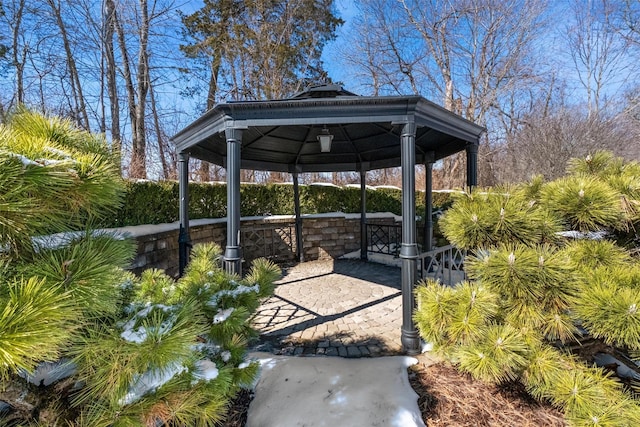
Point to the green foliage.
(264, 199)
(268, 38)
(148, 350)
(155, 286)
(36, 322)
(583, 202)
(545, 363)
(452, 316)
(22, 204)
(587, 395)
(89, 268)
(600, 164)
(111, 359)
(83, 159)
(148, 202)
(499, 355)
(483, 219)
(264, 273)
(590, 254)
(535, 284)
(583, 392)
(609, 309)
(436, 308)
(53, 178)
(545, 284)
(182, 337)
(621, 176)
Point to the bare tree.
(12, 15)
(599, 52)
(469, 55)
(549, 136)
(138, 158)
(108, 32)
(80, 109)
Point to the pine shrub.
(135, 351)
(548, 262)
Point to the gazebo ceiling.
(281, 135)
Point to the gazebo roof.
(281, 135)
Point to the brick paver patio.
(342, 307)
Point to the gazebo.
(328, 129)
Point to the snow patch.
(59, 152)
(237, 291)
(59, 240)
(23, 159)
(48, 162)
(141, 334)
(331, 391)
(47, 373)
(427, 347)
(205, 370)
(591, 235)
(223, 315)
(267, 363)
(150, 381)
(207, 347)
(405, 418)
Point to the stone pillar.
(184, 239)
(233, 252)
(409, 248)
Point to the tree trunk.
(82, 117)
(139, 143)
(17, 61)
(109, 23)
(205, 167)
(134, 167)
(166, 170)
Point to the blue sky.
(331, 56)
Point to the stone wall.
(324, 236)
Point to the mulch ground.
(237, 415)
(449, 398)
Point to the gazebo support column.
(363, 214)
(409, 248)
(233, 252)
(296, 208)
(472, 164)
(184, 240)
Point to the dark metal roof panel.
(281, 134)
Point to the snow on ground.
(331, 391)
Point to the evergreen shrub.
(550, 263)
(147, 202)
(82, 342)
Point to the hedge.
(147, 202)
